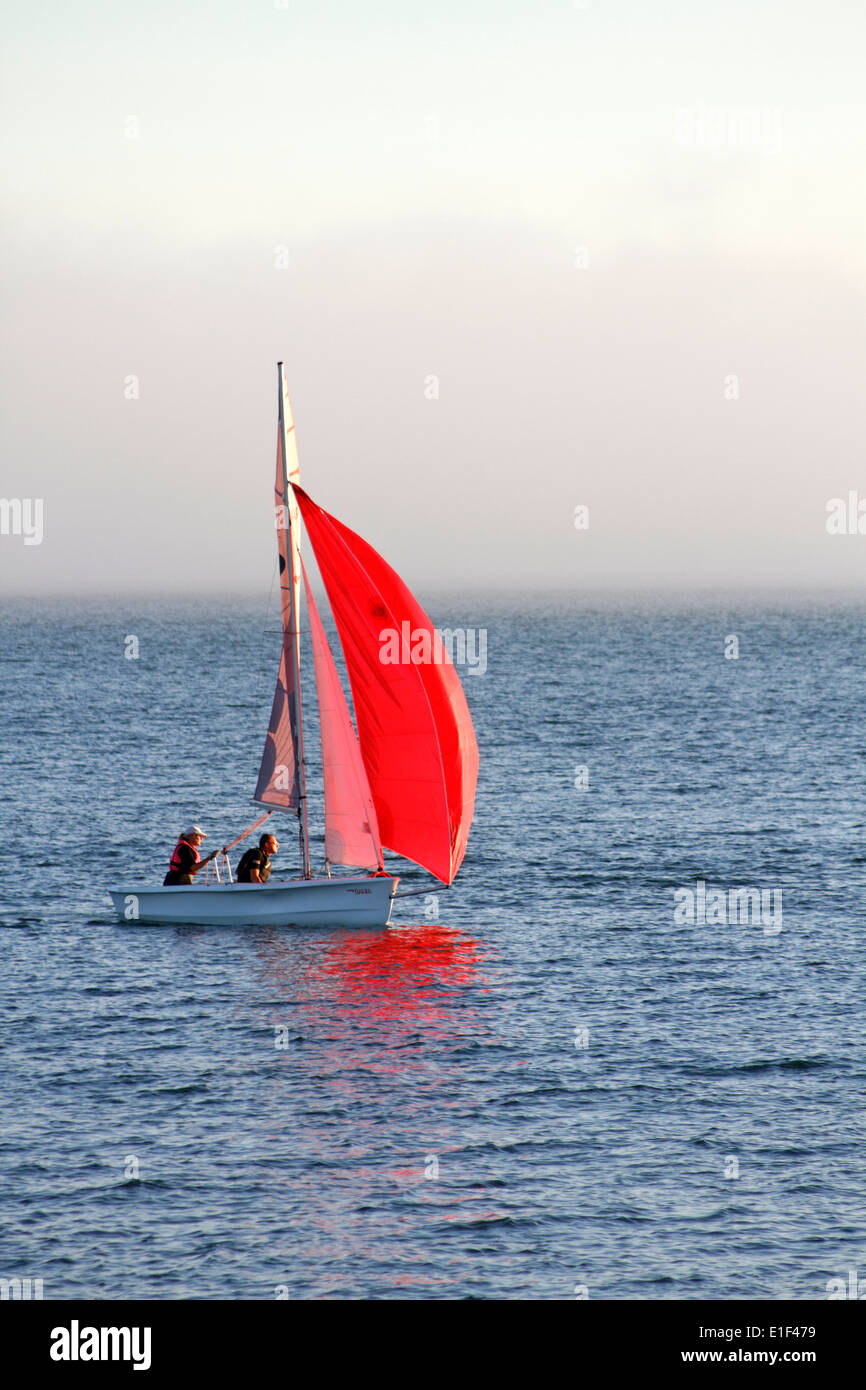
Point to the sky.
(518, 259)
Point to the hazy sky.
(627, 241)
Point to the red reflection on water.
(378, 1015)
(402, 969)
(398, 973)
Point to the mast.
(293, 556)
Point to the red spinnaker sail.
(414, 727)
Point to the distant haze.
(538, 258)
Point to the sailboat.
(404, 780)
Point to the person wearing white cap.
(185, 861)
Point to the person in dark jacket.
(185, 862)
(255, 865)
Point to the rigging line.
(249, 830)
(417, 892)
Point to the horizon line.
(635, 589)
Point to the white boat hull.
(316, 902)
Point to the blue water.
(434, 1125)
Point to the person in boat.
(255, 865)
(185, 862)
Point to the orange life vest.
(174, 862)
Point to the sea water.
(624, 1056)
